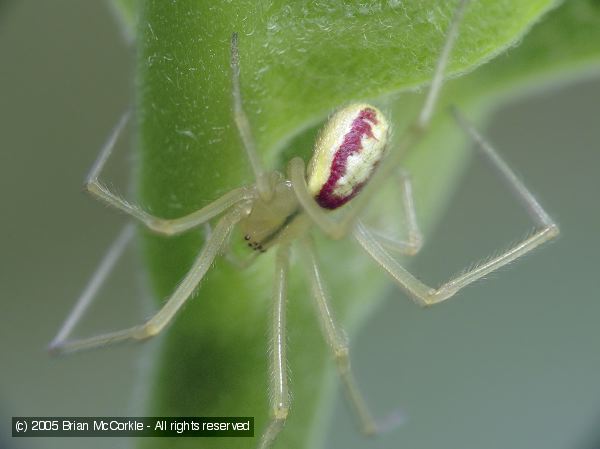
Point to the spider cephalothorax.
(271, 220)
(346, 154)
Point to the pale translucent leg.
(181, 294)
(337, 228)
(156, 224)
(413, 243)
(278, 387)
(89, 293)
(534, 208)
(241, 120)
(336, 340)
(438, 76)
(425, 295)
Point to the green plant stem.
(299, 61)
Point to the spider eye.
(346, 154)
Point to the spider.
(349, 162)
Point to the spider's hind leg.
(546, 230)
(413, 242)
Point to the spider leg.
(338, 344)
(438, 76)
(89, 293)
(414, 241)
(181, 294)
(243, 124)
(337, 228)
(425, 295)
(160, 225)
(278, 386)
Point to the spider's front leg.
(156, 224)
(182, 224)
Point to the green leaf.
(301, 60)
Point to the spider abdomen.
(346, 154)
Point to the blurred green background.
(512, 362)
